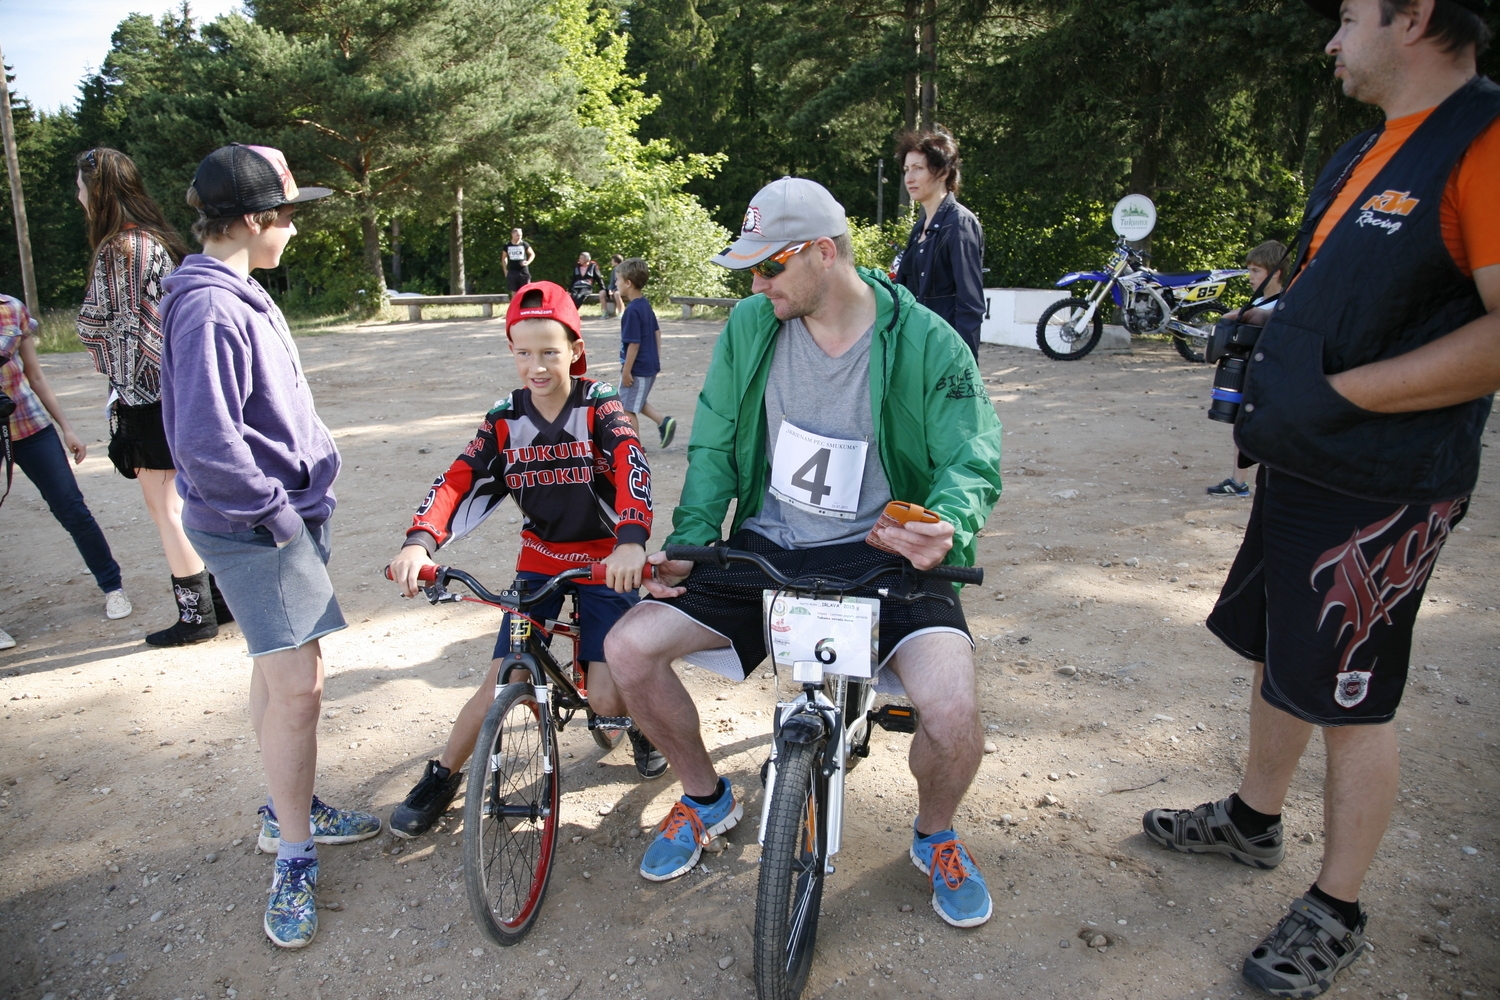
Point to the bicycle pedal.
(895, 718)
(611, 723)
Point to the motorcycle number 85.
(1202, 293)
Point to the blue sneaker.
(329, 826)
(688, 827)
(292, 912)
(959, 894)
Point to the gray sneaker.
(1300, 957)
(1209, 830)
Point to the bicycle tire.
(508, 855)
(1080, 347)
(1186, 345)
(792, 869)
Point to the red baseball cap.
(556, 304)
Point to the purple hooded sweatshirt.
(249, 448)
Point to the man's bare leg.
(286, 694)
(1364, 770)
(640, 650)
(1277, 741)
(937, 671)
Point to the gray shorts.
(282, 598)
(633, 397)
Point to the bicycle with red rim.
(511, 803)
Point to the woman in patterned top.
(135, 247)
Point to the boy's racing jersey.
(581, 481)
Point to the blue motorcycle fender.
(1073, 276)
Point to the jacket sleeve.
(618, 455)
(966, 261)
(211, 379)
(713, 472)
(963, 444)
(461, 498)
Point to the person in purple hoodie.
(255, 468)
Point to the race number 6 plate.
(842, 635)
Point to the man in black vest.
(1364, 401)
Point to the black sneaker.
(427, 800)
(649, 762)
(1228, 488)
(667, 429)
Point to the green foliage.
(877, 246)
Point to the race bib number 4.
(818, 474)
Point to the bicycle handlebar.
(593, 572)
(724, 556)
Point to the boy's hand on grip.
(666, 575)
(405, 567)
(622, 568)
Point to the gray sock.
(288, 851)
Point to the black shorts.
(514, 280)
(1325, 592)
(729, 600)
(138, 439)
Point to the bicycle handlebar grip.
(958, 574)
(596, 573)
(427, 574)
(698, 553)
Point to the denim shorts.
(633, 397)
(281, 598)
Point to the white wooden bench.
(414, 303)
(688, 301)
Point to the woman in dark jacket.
(943, 263)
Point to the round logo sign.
(1134, 217)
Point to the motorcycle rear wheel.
(1202, 316)
(1062, 342)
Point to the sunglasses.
(91, 159)
(776, 263)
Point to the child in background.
(640, 349)
(1266, 261)
(562, 448)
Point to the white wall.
(1010, 316)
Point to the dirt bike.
(1186, 306)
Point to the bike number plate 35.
(846, 633)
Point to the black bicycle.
(511, 804)
(819, 736)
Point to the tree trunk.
(909, 85)
(396, 250)
(17, 199)
(929, 63)
(1145, 163)
(456, 279)
(374, 266)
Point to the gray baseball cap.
(783, 212)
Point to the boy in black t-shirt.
(640, 349)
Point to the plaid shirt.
(15, 325)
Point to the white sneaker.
(117, 605)
(5, 640)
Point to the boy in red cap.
(564, 449)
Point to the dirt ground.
(129, 776)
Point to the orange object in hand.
(897, 513)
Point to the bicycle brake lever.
(437, 594)
(911, 598)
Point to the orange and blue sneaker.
(292, 912)
(959, 893)
(686, 831)
(329, 826)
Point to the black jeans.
(42, 458)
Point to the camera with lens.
(1230, 345)
(7, 405)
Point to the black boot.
(222, 614)
(195, 613)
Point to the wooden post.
(17, 199)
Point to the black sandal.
(1306, 950)
(1209, 830)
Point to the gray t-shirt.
(820, 398)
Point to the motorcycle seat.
(1178, 280)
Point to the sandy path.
(129, 777)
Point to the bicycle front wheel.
(510, 815)
(792, 865)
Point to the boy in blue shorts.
(640, 348)
(563, 448)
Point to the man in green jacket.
(831, 393)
